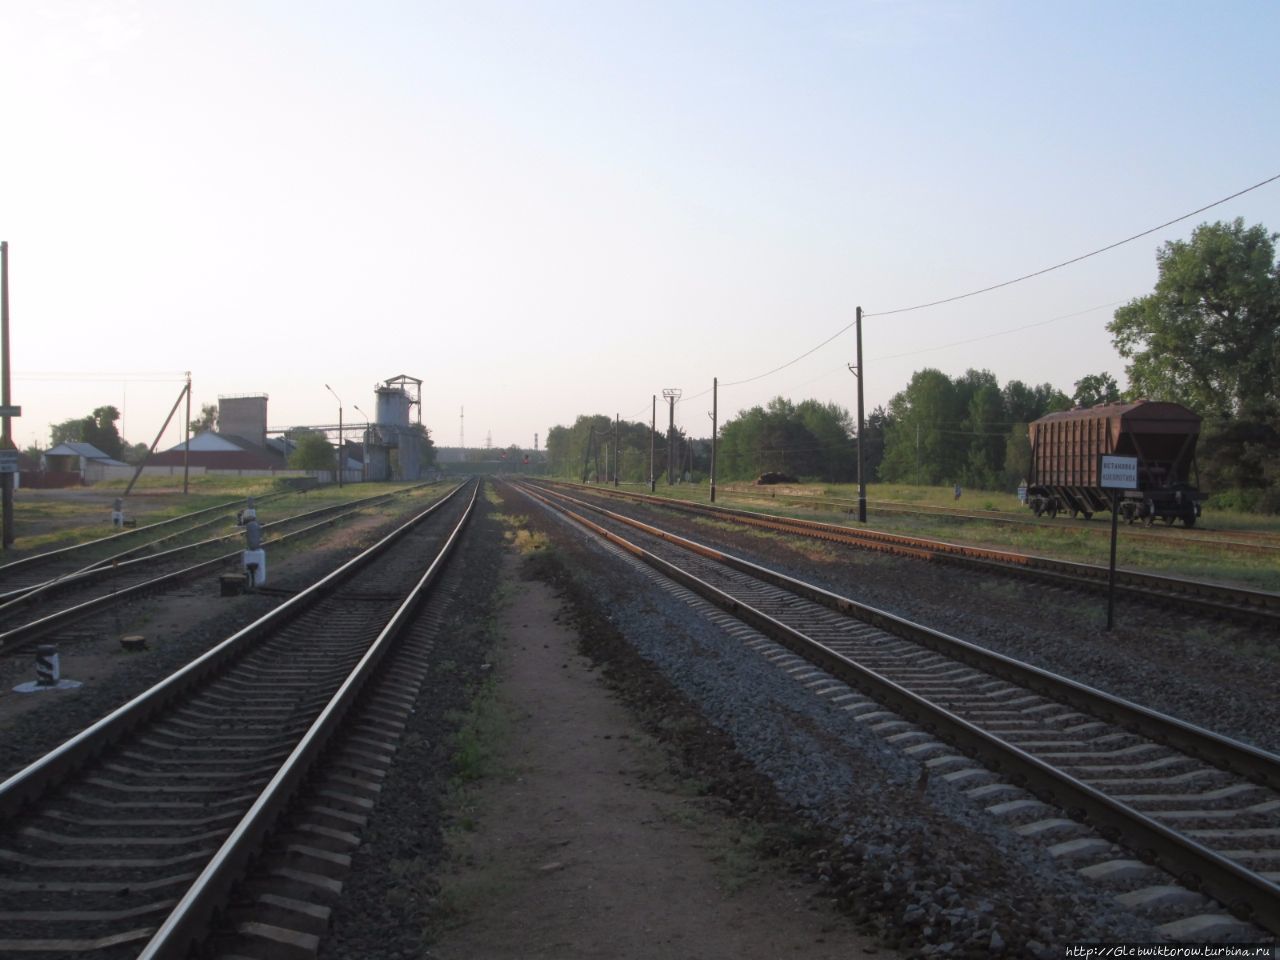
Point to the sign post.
(1117, 473)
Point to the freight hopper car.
(1066, 449)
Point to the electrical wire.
(999, 333)
(1067, 263)
(997, 286)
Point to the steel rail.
(1240, 889)
(21, 636)
(188, 922)
(37, 558)
(1212, 597)
(1250, 762)
(1266, 542)
(12, 597)
(28, 784)
(110, 565)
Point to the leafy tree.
(921, 441)
(426, 448)
(312, 451)
(207, 421)
(1095, 388)
(811, 439)
(873, 443)
(135, 453)
(1209, 334)
(969, 430)
(835, 457)
(99, 429)
(1017, 455)
(986, 427)
(579, 451)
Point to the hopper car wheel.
(1088, 514)
(1189, 519)
(1037, 507)
(1051, 510)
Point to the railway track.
(1201, 807)
(129, 839)
(38, 568)
(149, 573)
(1196, 595)
(1237, 541)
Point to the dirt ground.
(585, 846)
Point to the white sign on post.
(1118, 473)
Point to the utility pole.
(617, 450)
(862, 480)
(653, 432)
(341, 453)
(672, 394)
(186, 447)
(715, 396)
(917, 453)
(6, 438)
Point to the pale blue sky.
(544, 209)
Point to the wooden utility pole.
(185, 391)
(186, 447)
(6, 438)
(653, 433)
(617, 450)
(862, 480)
(715, 395)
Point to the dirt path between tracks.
(584, 845)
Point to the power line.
(1083, 256)
(999, 333)
(997, 286)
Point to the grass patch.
(1004, 523)
(480, 734)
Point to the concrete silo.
(394, 442)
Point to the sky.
(545, 209)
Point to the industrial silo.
(395, 445)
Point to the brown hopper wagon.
(1066, 451)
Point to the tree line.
(1207, 337)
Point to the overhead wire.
(1067, 263)
(996, 286)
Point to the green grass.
(45, 520)
(1061, 538)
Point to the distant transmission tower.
(462, 428)
(535, 443)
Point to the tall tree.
(1209, 337)
(925, 438)
(1209, 334)
(1095, 388)
(312, 452)
(98, 429)
(208, 419)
